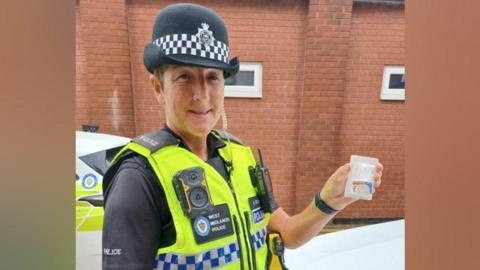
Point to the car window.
(111, 153)
(100, 161)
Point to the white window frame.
(388, 93)
(254, 91)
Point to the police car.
(94, 151)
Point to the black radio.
(192, 191)
(261, 180)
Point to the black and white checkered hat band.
(190, 44)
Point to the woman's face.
(193, 99)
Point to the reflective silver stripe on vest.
(210, 259)
(259, 238)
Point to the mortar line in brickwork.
(300, 109)
(132, 74)
(337, 116)
(337, 141)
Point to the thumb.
(340, 174)
(344, 170)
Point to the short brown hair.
(158, 73)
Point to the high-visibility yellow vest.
(233, 235)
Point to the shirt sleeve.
(132, 222)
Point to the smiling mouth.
(200, 112)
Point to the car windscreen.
(100, 161)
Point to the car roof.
(372, 247)
(88, 142)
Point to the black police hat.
(189, 34)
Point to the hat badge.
(205, 36)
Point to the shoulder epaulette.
(228, 136)
(156, 140)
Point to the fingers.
(379, 167)
(378, 182)
(378, 175)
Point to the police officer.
(185, 197)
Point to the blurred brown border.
(442, 145)
(37, 121)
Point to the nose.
(200, 90)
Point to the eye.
(214, 76)
(182, 76)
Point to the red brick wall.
(104, 91)
(371, 126)
(322, 69)
(82, 107)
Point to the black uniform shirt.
(137, 219)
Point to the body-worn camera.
(261, 180)
(192, 191)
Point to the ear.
(157, 89)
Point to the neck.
(198, 145)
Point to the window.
(393, 85)
(246, 83)
(100, 161)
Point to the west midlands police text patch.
(212, 225)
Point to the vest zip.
(252, 248)
(235, 223)
(243, 226)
